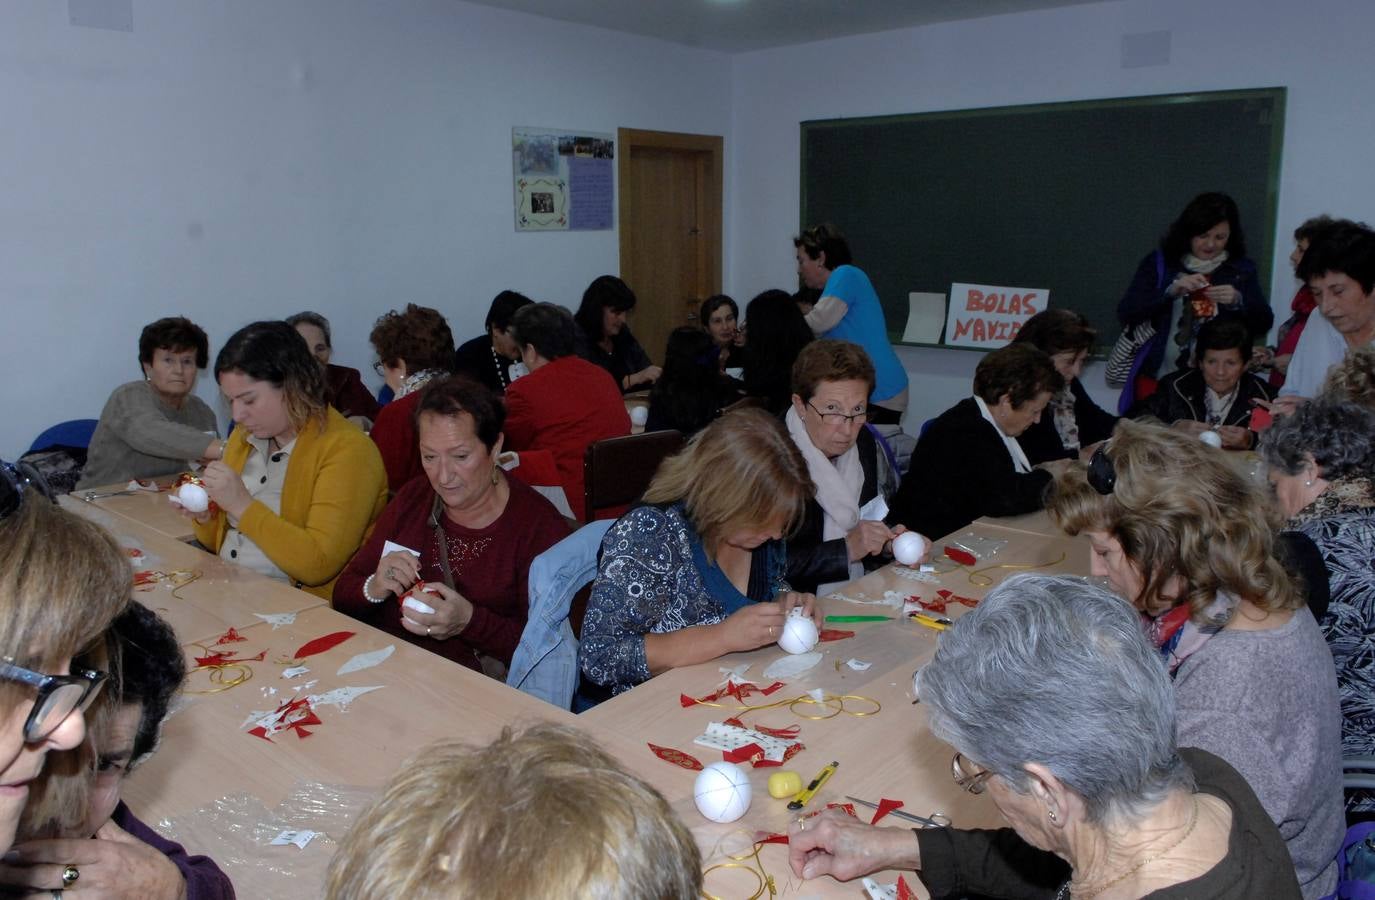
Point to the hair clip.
(1102, 476)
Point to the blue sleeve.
(846, 283)
(636, 582)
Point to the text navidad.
(982, 315)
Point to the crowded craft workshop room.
(670, 449)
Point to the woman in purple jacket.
(123, 858)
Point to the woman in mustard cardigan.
(299, 485)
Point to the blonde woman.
(299, 484)
(1188, 539)
(697, 571)
(460, 821)
(62, 579)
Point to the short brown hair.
(1179, 508)
(1019, 370)
(453, 396)
(1058, 330)
(419, 336)
(741, 470)
(831, 360)
(176, 333)
(464, 821)
(1353, 378)
(276, 353)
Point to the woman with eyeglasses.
(76, 814)
(299, 484)
(414, 347)
(1189, 540)
(698, 569)
(841, 531)
(1085, 768)
(968, 463)
(152, 428)
(62, 580)
(343, 385)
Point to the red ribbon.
(964, 601)
(229, 637)
(905, 892)
(885, 806)
(145, 577)
(834, 634)
(936, 606)
(787, 734)
(220, 658)
(293, 715)
(738, 691)
(963, 557)
(321, 644)
(677, 757)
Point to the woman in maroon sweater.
(465, 529)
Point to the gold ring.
(69, 876)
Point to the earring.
(1308, 483)
(1051, 813)
(494, 475)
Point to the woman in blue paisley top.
(697, 571)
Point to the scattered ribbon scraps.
(985, 581)
(293, 715)
(214, 658)
(885, 806)
(147, 580)
(787, 734)
(734, 689)
(218, 677)
(677, 757)
(739, 744)
(833, 634)
(834, 704)
(231, 636)
(316, 646)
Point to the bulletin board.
(564, 180)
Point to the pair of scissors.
(935, 820)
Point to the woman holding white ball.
(698, 570)
(836, 542)
(299, 484)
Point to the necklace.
(1068, 889)
(501, 370)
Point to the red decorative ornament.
(834, 634)
(219, 658)
(229, 637)
(677, 757)
(321, 644)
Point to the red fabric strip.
(885, 806)
(321, 644)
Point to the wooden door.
(670, 229)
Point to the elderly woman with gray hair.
(1322, 464)
(1084, 768)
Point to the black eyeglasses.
(58, 696)
(837, 418)
(377, 367)
(1102, 476)
(14, 478)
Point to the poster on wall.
(987, 316)
(564, 180)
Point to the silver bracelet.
(367, 591)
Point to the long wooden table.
(226, 792)
(149, 508)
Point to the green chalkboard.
(1063, 196)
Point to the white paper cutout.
(393, 547)
(341, 696)
(858, 665)
(277, 620)
(294, 671)
(366, 660)
(817, 694)
(299, 838)
(736, 675)
(789, 666)
(876, 510)
(878, 891)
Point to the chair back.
(545, 664)
(72, 433)
(617, 470)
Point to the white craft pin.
(722, 792)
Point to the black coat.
(1180, 396)
(812, 561)
(476, 359)
(961, 470)
(1041, 442)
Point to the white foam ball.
(1211, 438)
(193, 497)
(909, 547)
(639, 415)
(799, 633)
(722, 792)
(411, 603)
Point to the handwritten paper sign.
(983, 315)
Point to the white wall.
(1319, 50)
(243, 160)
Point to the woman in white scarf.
(843, 526)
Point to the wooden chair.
(617, 470)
